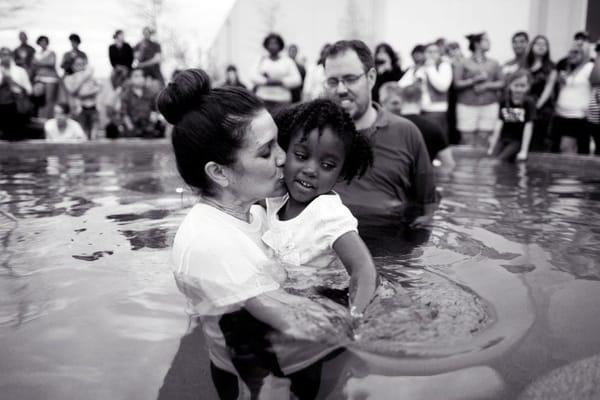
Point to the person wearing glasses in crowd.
(400, 183)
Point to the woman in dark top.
(543, 73)
(387, 66)
(121, 57)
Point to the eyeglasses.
(347, 80)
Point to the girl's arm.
(357, 260)
(527, 133)
(495, 137)
(548, 89)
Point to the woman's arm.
(495, 137)
(595, 75)
(459, 81)
(527, 133)
(293, 79)
(548, 89)
(357, 260)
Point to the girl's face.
(519, 88)
(540, 47)
(258, 171)
(313, 164)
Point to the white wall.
(402, 23)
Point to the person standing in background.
(45, 78)
(83, 89)
(120, 55)
(70, 56)
(543, 75)
(148, 56)
(437, 73)
(315, 77)
(388, 67)
(455, 56)
(477, 80)
(593, 115)
(520, 44)
(14, 82)
(297, 91)
(23, 55)
(570, 129)
(275, 75)
(232, 78)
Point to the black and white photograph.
(300, 199)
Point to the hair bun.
(183, 94)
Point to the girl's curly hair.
(320, 114)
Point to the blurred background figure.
(477, 80)
(23, 55)
(276, 74)
(82, 89)
(315, 77)
(120, 55)
(570, 132)
(406, 102)
(138, 108)
(232, 78)
(62, 128)
(520, 44)
(454, 56)
(387, 65)
(594, 106)
(148, 56)
(435, 86)
(543, 83)
(45, 78)
(297, 91)
(70, 56)
(15, 89)
(514, 127)
(414, 73)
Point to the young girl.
(309, 228)
(513, 130)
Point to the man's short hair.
(582, 35)
(389, 89)
(520, 34)
(412, 93)
(358, 46)
(418, 49)
(73, 37)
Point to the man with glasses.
(400, 182)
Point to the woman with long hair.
(543, 73)
(387, 64)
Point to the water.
(508, 279)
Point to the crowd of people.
(38, 101)
(529, 103)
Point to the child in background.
(83, 89)
(309, 228)
(62, 128)
(512, 133)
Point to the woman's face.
(432, 53)
(258, 171)
(485, 43)
(540, 47)
(383, 62)
(43, 44)
(273, 46)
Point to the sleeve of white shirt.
(440, 78)
(335, 219)
(215, 277)
(257, 77)
(78, 132)
(293, 78)
(408, 78)
(23, 79)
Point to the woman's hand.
(521, 156)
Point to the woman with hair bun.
(225, 145)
